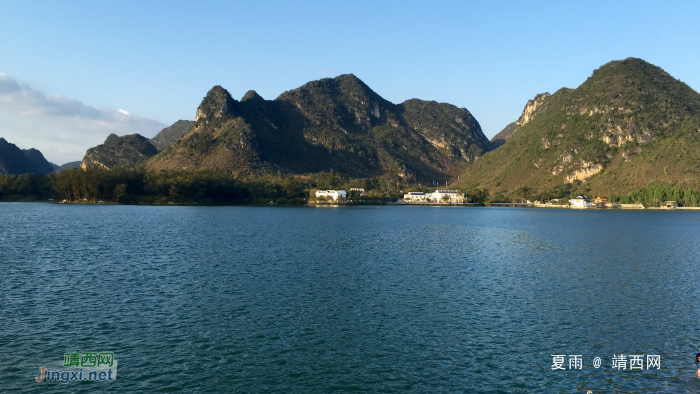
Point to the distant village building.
(447, 197)
(335, 195)
(580, 202)
(437, 197)
(360, 191)
(671, 204)
(599, 202)
(416, 197)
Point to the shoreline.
(242, 204)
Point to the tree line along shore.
(214, 187)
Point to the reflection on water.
(249, 299)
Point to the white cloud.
(62, 128)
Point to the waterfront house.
(416, 197)
(599, 202)
(360, 191)
(447, 197)
(671, 204)
(580, 202)
(333, 195)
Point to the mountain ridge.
(335, 124)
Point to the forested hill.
(337, 124)
(629, 125)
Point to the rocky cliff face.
(628, 125)
(531, 108)
(528, 113)
(335, 124)
(217, 103)
(127, 151)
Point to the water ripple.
(396, 299)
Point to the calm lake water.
(316, 300)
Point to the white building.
(580, 202)
(447, 197)
(360, 191)
(335, 195)
(437, 197)
(416, 197)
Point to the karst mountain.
(629, 125)
(337, 124)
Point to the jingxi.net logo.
(87, 366)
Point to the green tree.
(119, 191)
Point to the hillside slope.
(630, 124)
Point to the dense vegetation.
(656, 195)
(650, 196)
(139, 186)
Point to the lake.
(339, 299)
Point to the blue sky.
(69, 67)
